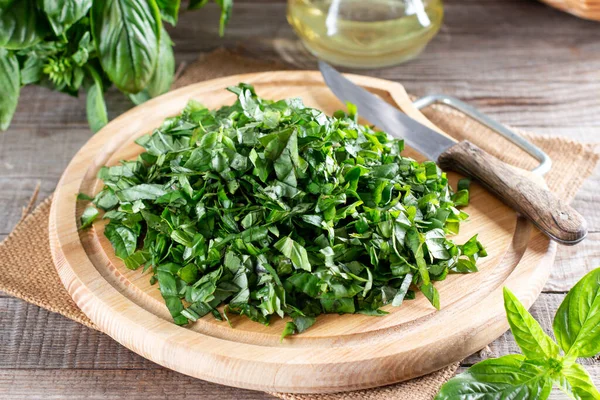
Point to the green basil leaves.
(528, 333)
(276, 210)
(96, 107)
(21, 24)
(127, 34)
(163, 74)
(10, 87)
(76, 46)
(531, 376)
(508, 377)
(169, 10)
(576, 382)
(62, 15)
(577, 321)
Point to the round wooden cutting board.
(340, 352)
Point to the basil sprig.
(276, 209)
(543, 363)
(78, 46)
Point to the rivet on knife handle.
(551, 215)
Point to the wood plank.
(54, 341)
(41, 153)
(573, 262)
(520, 104)
(15, 194)
(40, 110)
(18, 384)
(587, 199)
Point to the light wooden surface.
(339, 352)
(527, 65)
(589, 9)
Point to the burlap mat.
(27, 272)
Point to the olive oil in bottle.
(365, 33)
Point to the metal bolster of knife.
(472, 112)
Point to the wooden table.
(525, 64)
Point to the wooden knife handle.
(550, 214)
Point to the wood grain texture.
(77, 384)
(340, 352)
(525, 64)
(519, 190)
(56, 342)
(572, 263)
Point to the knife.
(551, 215)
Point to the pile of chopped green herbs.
(274, 208)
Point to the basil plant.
(545, 363)
(88, 45)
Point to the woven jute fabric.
(27, 271)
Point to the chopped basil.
(274, 208)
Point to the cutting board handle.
(551, 215)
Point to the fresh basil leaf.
(461, 198)
(143, 191)
(95, 106)
(577, 383)
(88, 217)
(189, 273)
(127, 34)
(31, 72)
(528, 333)
(401, 294)
(22, 25)
(463, 184)
(306, 283)
(294, 252)
(84, 197)
(577, 321)
(432, 294)
(10, 87)
(342, 305)
(162, 79)
(169, 10)
(137, 259)
(65, 13)
(122, 238)
(508, 377)
(168, 289)
(290, 329)
(300, 324)
(140, 97)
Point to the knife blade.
(385, 116)
(551, 215)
